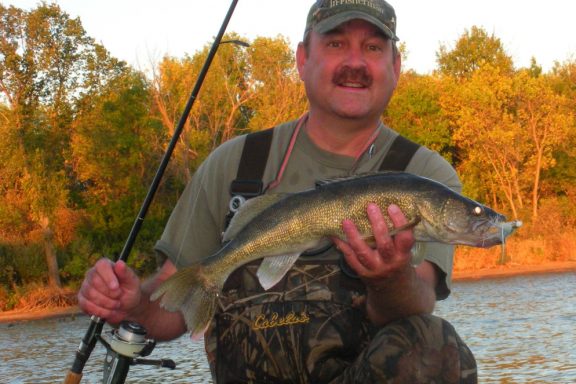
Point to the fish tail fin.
(193, 292)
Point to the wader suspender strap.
(248, 182)
(399, 155)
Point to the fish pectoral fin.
(273, 268)
(418, 253)
(192, 293)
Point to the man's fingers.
(384, 242)
(127, 278)
(396, 215)
(111, 315)
(352, 262)
(95, 298)
(404, 238)
(100, 292)
(357, 252)
(391, 245)
(105, 270)
(411, 224)
(95, 290)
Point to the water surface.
(521, 330)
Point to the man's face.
(349, 72)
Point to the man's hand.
(110, 291)
(394, 288)
(113, 292)
(391, 254)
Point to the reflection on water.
(521, 330)
(43, 351)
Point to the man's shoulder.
(282, 132)
(428, 163)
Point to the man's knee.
(420, 349)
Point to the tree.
(473, 50)
(278, 92)
(489, 139)
(545, 116)
(245, 89)
(415, 112)
(561, 180)
(508, 129)
(47, 64)
(116, 147)
(217, 109)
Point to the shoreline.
(16, 316)
(515, 270)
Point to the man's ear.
(398, 65)
(301, 57)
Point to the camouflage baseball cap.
(325, 15)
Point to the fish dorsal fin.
(273, 268)
(248, 211)
(320, 183)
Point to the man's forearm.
(160, 324)
(409, 292)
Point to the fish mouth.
(497, 232)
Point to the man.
(353, 313)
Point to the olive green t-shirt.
(194, 230)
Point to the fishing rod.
(93, 334)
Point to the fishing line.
(503, 241)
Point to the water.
(521, 330)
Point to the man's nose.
(355, 57)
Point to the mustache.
(347, 74)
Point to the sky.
(141, 32)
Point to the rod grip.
(72, 378)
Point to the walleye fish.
(279, 227)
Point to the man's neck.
(346, 137)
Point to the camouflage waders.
(311, 328)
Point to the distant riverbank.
(515, 270)
(489, 273)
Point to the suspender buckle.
(246, 188)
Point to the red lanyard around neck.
(367, 146)
(288, 153)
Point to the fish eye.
(477, 211)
